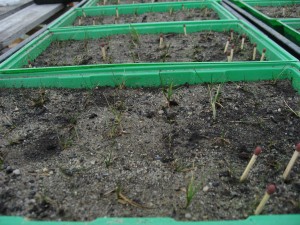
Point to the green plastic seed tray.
(133, 10)
(122, 2)
(249, 6)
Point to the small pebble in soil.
(16, 172)
(206, 188)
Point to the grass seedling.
(171, 11)
(243, 41)
(257, 151)
(166, 53)
(254, 51)
(184, 30)
(135, 37)
(292, 161)
(270, 190)
(117, 13)
(226, 45)
(191, 190)
(41, 100)
(263, 54)
(296, 113)
(108, 160)
(214, 99)
(168, 93)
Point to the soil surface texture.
(117, 2)
(280, 12)
(180, 15)
(134, 48)
(83, 154)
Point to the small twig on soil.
(243, 41)
(254, 51)
(103, 51)
(257, 151)
(263, 54)
(231, 34)
(228, 56)
(292, 161)
(226, 45)
(124, 200)
(94, 21)
(270, 190)
(161, 41)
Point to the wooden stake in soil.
(118, 2)
(103, 51)
(292, 161)
(161, 41)
(270, 190)
(117, 13)
(226, 45)
(283, 11)
(254, 52)
(257, 151)
(263, 54)
(184, 30)
(228, 56)
(94, 22)
(231, 34)
(205, 12)
(231, 53)
(243, 41)
(104, 2)
(79, 21)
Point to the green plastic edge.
(94, 2)
(272, 22)
(252, 220)
(140, 9)
(290, 27)
(34, 48)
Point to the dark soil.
(116, 2)
(180, 15)
(78, 154)
(281, 11)
(133, 48)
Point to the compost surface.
(137, 48)
(83, 154)
(179, 15)
(280, 12)
(120, 2)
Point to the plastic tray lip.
(281, 54)
(251, 220)
(215, 6)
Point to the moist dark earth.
(121, 152)
(280, 11)
(205, 46)
(178, 15)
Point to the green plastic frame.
(248, 5)
(252, 220)
(33, 49)
(68, 20)
(94, 2)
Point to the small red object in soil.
(258, 150)
(161, 35)
(298, 147)
(264, 50)
(102, 45)
(254, 45)
(243, 36)
(231, 30)
(271, 188)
